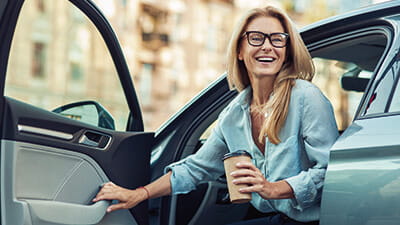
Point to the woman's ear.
(240, 56)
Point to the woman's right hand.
(127, 198)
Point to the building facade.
(174, 48)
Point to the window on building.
(146, 83)
(40, 6)
(38, 60)
(76, 71)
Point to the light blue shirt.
(301, 158)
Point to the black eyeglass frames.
(257, 38)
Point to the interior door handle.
(68, 213)
(87, 140)
(95, 139)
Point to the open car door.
(56, 147)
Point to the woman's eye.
(277, 40)
(257, 38)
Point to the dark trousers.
(277, 219)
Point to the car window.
(58, 57)
(173, 49)
(346, 69)
(208, 131)
(378, 100)
(395, 103)
(327, 77)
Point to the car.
(55, 157)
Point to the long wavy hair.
(298, 65)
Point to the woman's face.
(264, 60)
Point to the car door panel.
(46, 183)
(363, 176)
(49, 177)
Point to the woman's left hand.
(249, 174)
(127, 198)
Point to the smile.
(265, 59)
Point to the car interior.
(363, 53)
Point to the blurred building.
(174, 48)
(181, 44)
(181, 50)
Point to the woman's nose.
(267, 45)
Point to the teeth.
(265, 59)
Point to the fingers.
(251, 184)
(244, 165)
(126, 198)
(105, 196)
(250, 175)
(108, 191)
(245, 171)
(118, 206)
(251, 189)
(249, 180)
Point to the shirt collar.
(244, 97)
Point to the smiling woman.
(288, 137)
(271, 58)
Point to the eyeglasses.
(257, 38)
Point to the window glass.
(208, 131)
(174, 49)
(343, 70)
(58, 57)
(395, 104)
(327, 77)
(378, 100)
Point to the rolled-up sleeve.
(206, 164)
(319, 132)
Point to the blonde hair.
(298, 65)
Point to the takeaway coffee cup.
(230, 161)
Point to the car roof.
(369, 14)
(352, 50)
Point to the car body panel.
(363, 179)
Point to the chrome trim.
(86, 141)
(108, 142)
(45, 132)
